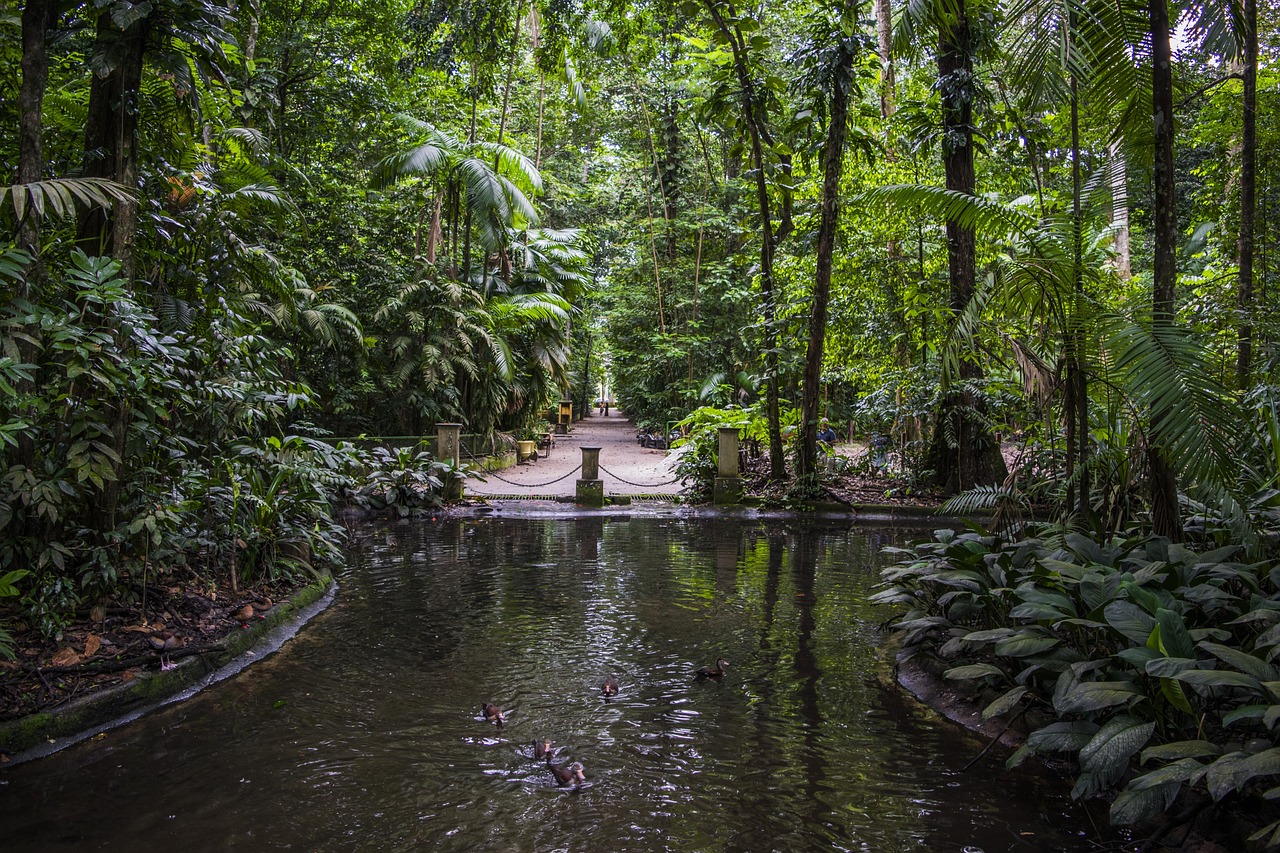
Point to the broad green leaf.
(1272, 829)
(1167, 667)
(1182, 770)
(1219, 678)
(1246, 712)
(988, 636)
(1108, 753)
(1142, 597)
(1004, 703)
(1181, 749)
(973, 670)
(1024, 646)
(1139, 656)
(1062, 737)
(1172, 691)
(1096, 695)
(1242, 661)
(1136, 806)
(1174, 640)
(1130, 620)
(1037, 611)
(1265, 763)
(1219, 777)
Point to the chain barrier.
(534, 485)
(641, 485)
(490, 473)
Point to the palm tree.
(1156, 367)
(438, 332)
(965, 450)
(1062, 47)
(479, 188)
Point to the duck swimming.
(542, 749)
(717, 671)
(609, 688)
(492, 714)
(567, 775)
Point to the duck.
(492, 714)
(717, 671)
(609, 688)
(542, 749)
(567, 774)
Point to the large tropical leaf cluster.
(1150, 664)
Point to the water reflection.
(366, 733)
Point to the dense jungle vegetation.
(236, 232)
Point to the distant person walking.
(825, 433)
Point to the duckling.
(717, 671)
(567, 775)
(492, 714)
(609, 688)
(542, 749)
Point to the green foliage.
(1137, 646)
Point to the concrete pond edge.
(44, 733)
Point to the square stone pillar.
(449, 449)
(727, 488)
(590, 488)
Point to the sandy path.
(621, 459)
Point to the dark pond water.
(365, 733)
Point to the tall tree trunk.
(36, 16)
(111, 140)
(751, 113)
(35, 77)
(511, 70)
(832, 169)
(1077, 408)
(1120, 208)
(975, 459)
(1165, 519)
(884, 39)
(1248, 195)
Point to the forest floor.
(116, 641)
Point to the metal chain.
(490, 473)
(641, 485)
(531, 485)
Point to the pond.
(365, 732)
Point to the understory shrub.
(129, 449)
(1156, 662)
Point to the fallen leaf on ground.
(65, 657)
(91, 645)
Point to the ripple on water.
(366, 731)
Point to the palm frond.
(1193, 419)
(59, 197)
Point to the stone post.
(449, 449)
(590, 491)
(727, 488)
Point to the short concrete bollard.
(590, 488)
(727, 488)
(449, 449)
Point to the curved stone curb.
(41, 734)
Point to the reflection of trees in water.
(808, 672)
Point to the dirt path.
(625, 467)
